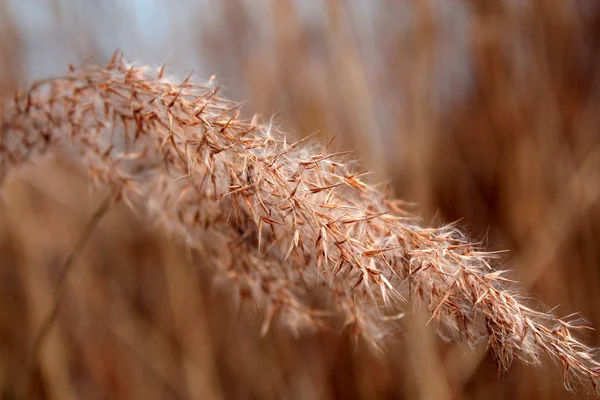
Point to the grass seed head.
(291, 218)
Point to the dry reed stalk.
(291, 219)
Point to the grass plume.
(292, 219)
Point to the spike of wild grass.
(293, 220)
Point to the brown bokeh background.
(486, 112)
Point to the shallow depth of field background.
(485, 112)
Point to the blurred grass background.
(482, 111)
